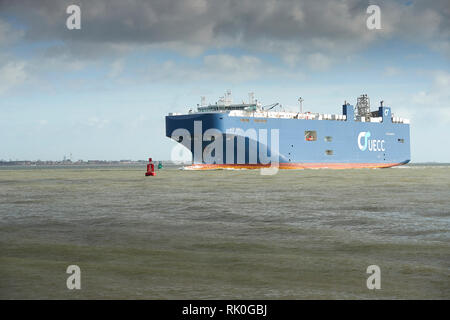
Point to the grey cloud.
(290, 26)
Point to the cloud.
(9, 35)
(116, 68)
(226, 67)
(436, 99)
(319, 61)
(285, 28)
(230, 64)
(12, 74)
(391, 71)
(96, 122)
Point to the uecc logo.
(366, 136)
(371, 144)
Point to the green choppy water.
(225, 234)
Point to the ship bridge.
(225, 103)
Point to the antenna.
(301, 104)
(227, 100)
(251, 98)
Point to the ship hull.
(336, 145)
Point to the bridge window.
(401, 140)
(310, 135)
(329, 152)
(328, 139)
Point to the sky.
(102, 92)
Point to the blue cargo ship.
(249, 135)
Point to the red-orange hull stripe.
(293, 166)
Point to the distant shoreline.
(68, 163)
(81, 163)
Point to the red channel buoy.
(150, 168)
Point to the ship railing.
(288, 115)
